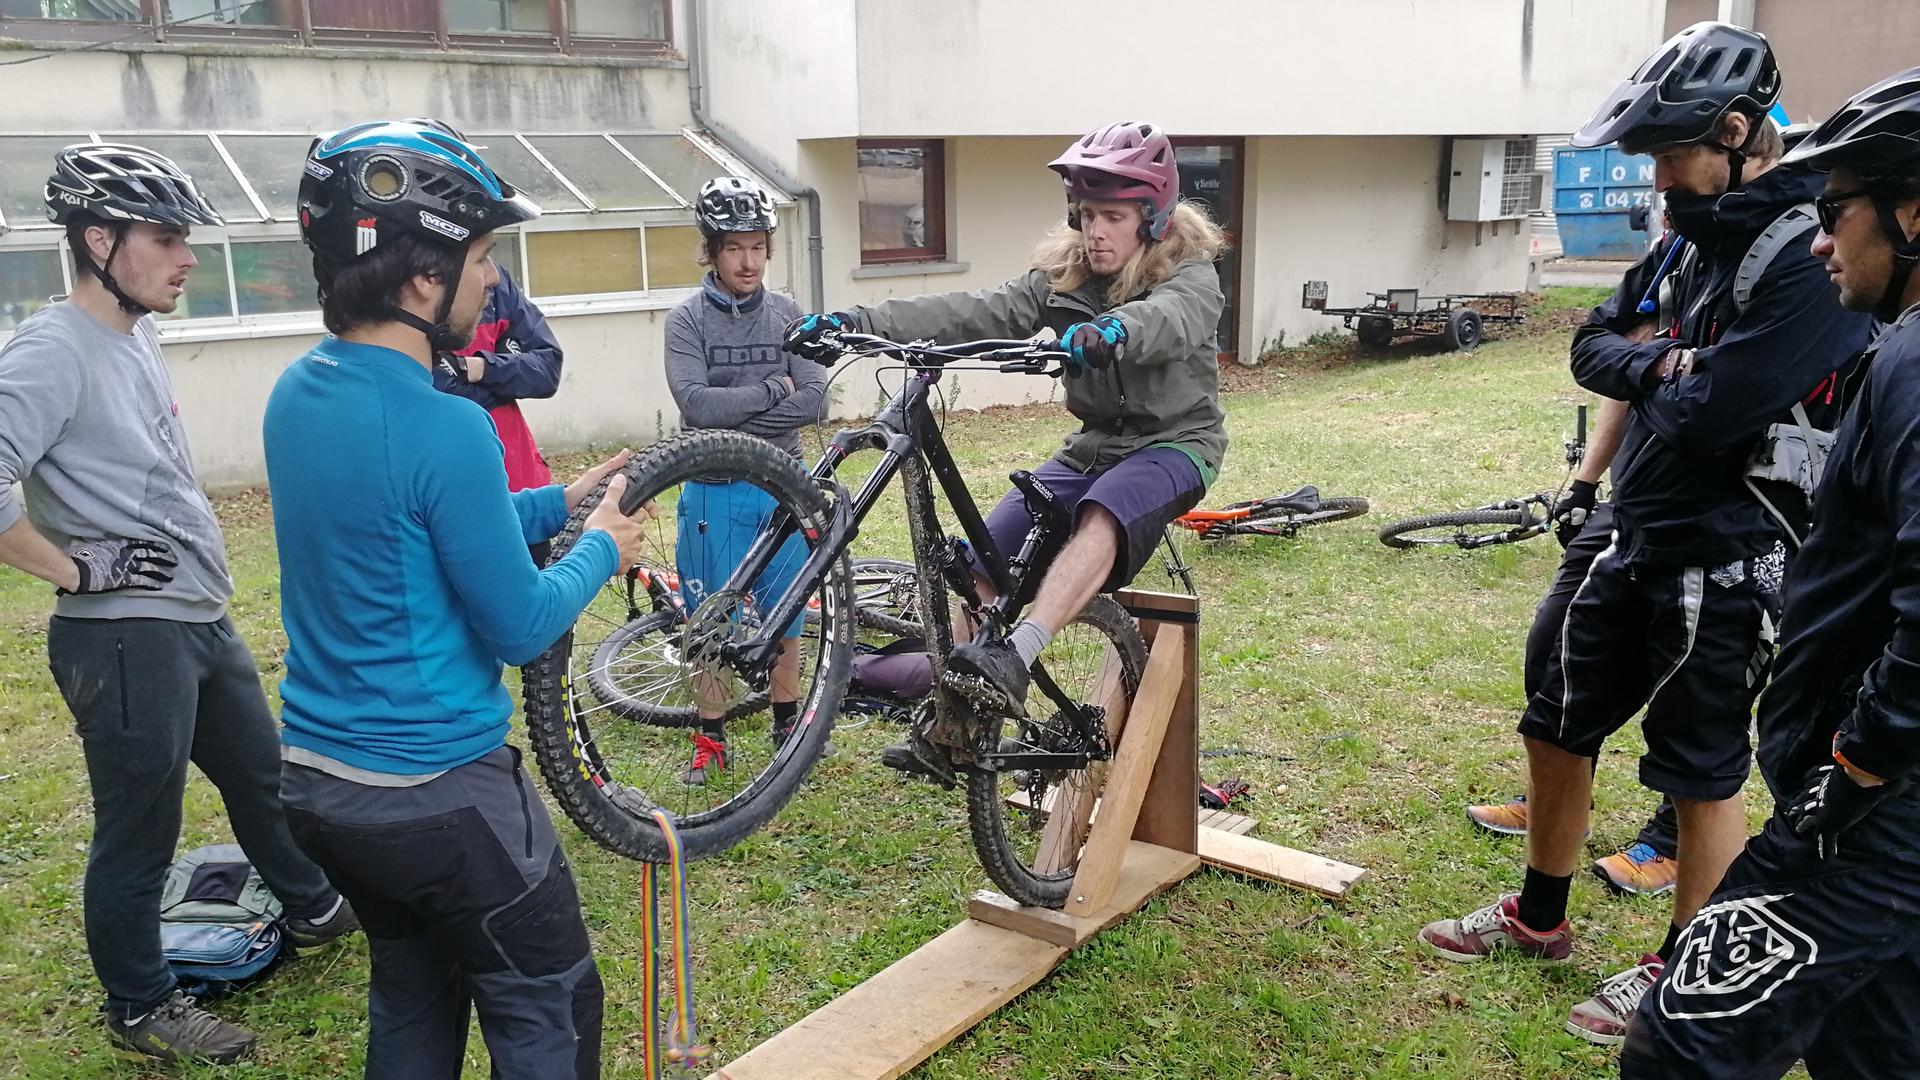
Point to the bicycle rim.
(612, 707)
(1460, 528)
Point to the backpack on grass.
(220, 926)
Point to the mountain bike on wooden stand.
(1496, 523)
(609, 770)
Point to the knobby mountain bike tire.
(1335, 509)
(886, 597)
(1462, 528)
(607, 771)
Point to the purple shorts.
(1144, 492)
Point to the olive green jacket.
(1163, 390)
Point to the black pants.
(1662, 831)
(1691, 645)
(1792, 957)
(467, 902)
(148, 696)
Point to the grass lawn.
(1380, 687)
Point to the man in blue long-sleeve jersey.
(406, 584)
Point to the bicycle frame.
(905, 428)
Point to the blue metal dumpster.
(1593, 191)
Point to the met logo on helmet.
(317, 170)
(444, 227)
(366, 235)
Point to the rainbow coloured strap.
(682, 1052)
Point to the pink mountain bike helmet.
(1128, 160)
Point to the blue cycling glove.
(804, 334)
(1093, 344)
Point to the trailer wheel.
(1463, 329)
(1374, 331)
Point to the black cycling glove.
(1830, 804)
(1570, 514)
(106, 565)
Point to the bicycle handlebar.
(1029, 356)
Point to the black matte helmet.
(1877, 135)
(733, 204)
(116, 182)
(1681, 92)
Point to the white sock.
(1028, 639)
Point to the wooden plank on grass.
(1228, 821)
(1245, 855)
(1148, 871)
(897, 1019)
(1133, 765)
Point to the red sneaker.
(1602, 1018)
(1477, 935)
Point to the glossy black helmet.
(370, 179)
(731, 204)
(1876, 133)
(117, 182)
(1686, 86)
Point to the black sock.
(1543, 901)
(1666, 948)
(714, 727)
(784, 714)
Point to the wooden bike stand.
(1144, 838)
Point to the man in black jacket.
(1678, 615)
(1810, 948)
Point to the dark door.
(1212, 175)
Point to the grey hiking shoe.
(991, 676)
(709, 756)
(329, 926)
(179, 1030)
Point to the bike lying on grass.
(1282, 515)
(610, 764)
(1497, 523)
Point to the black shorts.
(1793, 957)
(1692, 645)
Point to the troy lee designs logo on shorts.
(1733, 956)
(366, 235)
(444, 227)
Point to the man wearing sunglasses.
(1677, 616)
(1810, 948)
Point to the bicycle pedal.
(982, 695)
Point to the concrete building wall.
(1360, 214)
(1827, 50)
(781, 71)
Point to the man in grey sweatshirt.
(728, 372)
(140, 643)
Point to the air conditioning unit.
(1491, 180)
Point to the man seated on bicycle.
(727, 372)
(1128, 285)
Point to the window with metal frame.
(903, 200)
(540, 26)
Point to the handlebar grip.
(1580, 426)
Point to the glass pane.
(893, 198)
(422, 15)
(196, 155)
(272, 165)
(524, 171)
(28, 281)
(641, 19)
(583, 261)
(506, 252)
(491, 16)
(25, 161)
(206, 296)
(673, 253)
(90, 10)
(218, 13)
(674, 159)
(274, 277)
(601, 171)
(1210, 178)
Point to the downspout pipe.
(745, 151)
